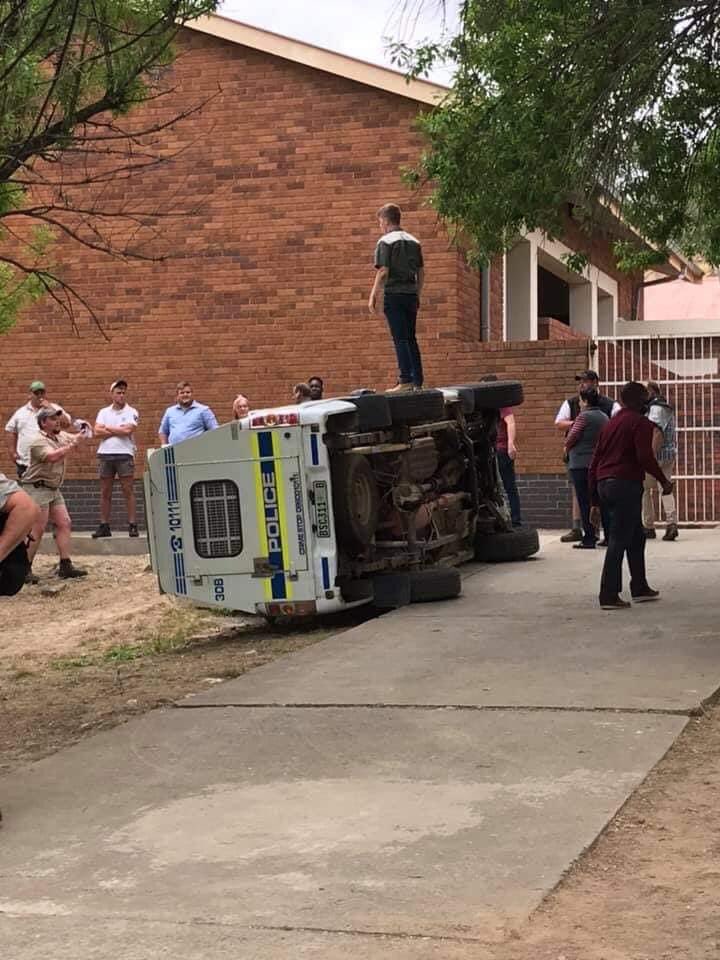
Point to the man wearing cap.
(566, 416)
(116, 456)
(42, 481)
(22, 426)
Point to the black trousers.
(579, 477)
(623, 501)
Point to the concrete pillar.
(606, 314)
(584, 308)
(521, 289)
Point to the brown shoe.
(573, 536)
(401, 388)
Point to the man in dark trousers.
(566, 416)
(623, 455)
(399, 276)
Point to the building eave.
(340, 65)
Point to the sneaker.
(31, 580)
(401, 388)
(671, 532)
(602, 543)
(68, 571)
(133, 530)
(583, 546)
(103, 530)
(614, 603)
(572, 537)
(645, 595)
(650, 533)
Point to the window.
(215, 506)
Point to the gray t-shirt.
(401, 253)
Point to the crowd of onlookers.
(42, 435)
(617, 453)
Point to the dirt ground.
(98, 651)
(102, 650)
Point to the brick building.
(267, 276)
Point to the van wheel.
(507, 546)
(422, 406)
(494, 394)
(356, 502)
(434, 583)
(391, 590)
(373, 412)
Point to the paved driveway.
(409, 789)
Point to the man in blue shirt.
(185, 418)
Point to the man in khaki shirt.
(43, 479)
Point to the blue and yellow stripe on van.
(272, 515)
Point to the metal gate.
(686, 368)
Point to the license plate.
(322, 508)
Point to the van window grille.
(215, 506)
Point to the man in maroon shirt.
(622, 457)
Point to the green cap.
(36, 385)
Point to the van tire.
(391, 590)
(434, 583)
(356, 502)
(421, 406)
(507, 546)
(354, 591)
(373, 412)
(493, 394)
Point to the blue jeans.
(401, 312)
(506, 465)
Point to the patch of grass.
(122, 653)
(176, 629)
(72, 663)
(21, 674)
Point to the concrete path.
(118, 545)
(410, 789)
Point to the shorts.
(111, 465)
(44, 497)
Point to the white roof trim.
(319, 59)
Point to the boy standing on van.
(399, 277)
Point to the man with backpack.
(662, 415)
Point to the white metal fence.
(686, 368)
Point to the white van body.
(242, 517)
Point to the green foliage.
(572, 101)
(69, 69)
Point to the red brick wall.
(268, 282)
(551, 329)
(547, 370)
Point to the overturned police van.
(301, 510)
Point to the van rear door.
(233, 502)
